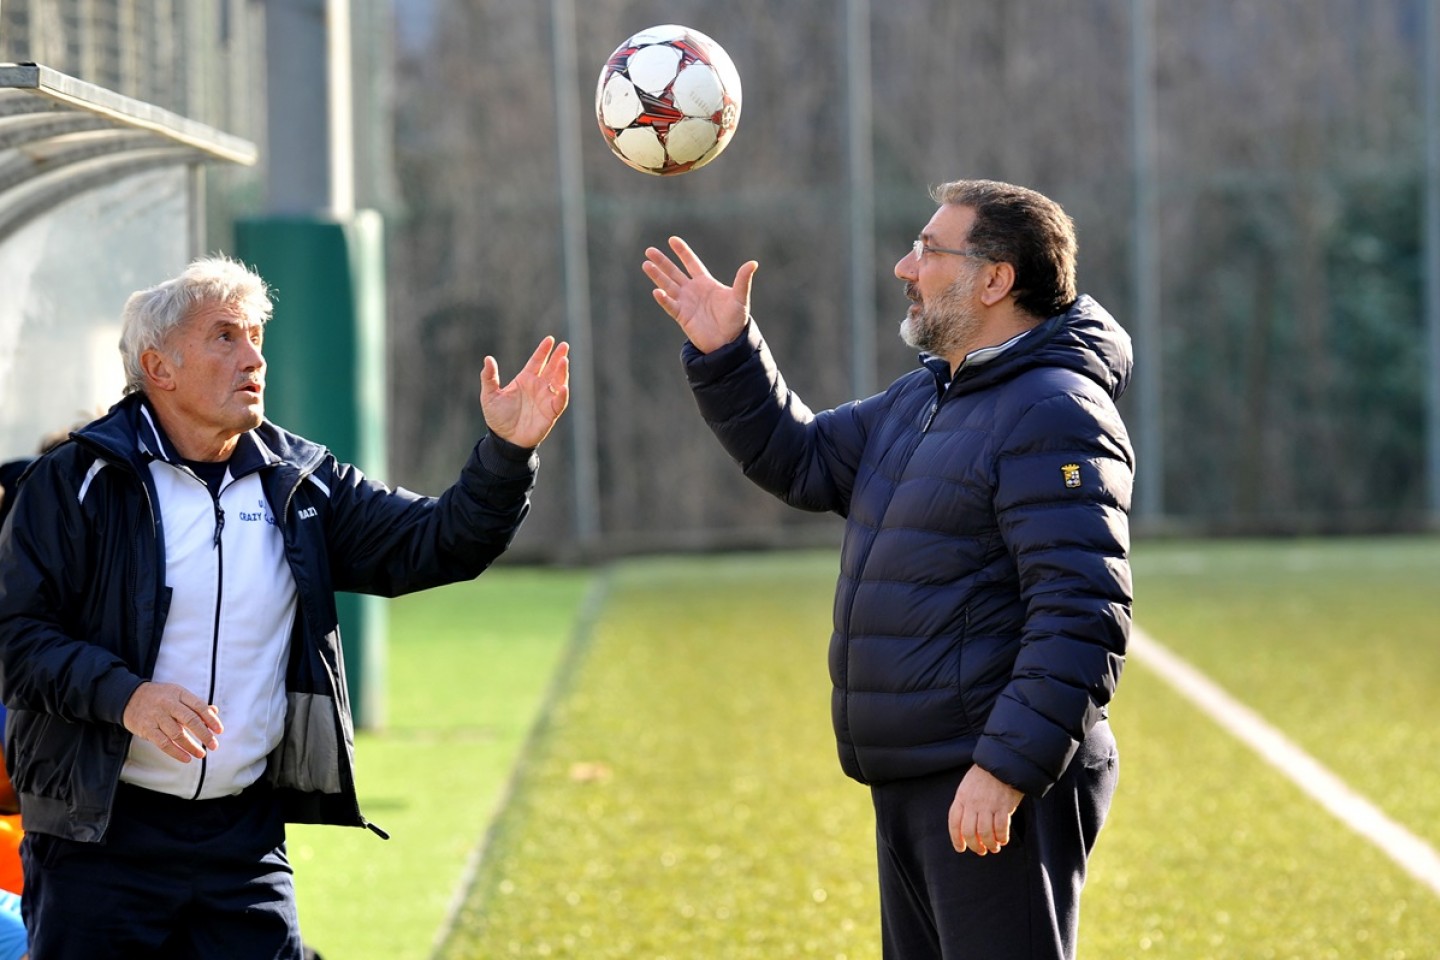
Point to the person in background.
(169, 647)
(13, 942)
(12, 470)
(10, 473)
(983, 603)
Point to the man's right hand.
(710, 313)
(174, 719)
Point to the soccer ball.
(668, 100)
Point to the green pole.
(325, 354)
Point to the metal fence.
(1253, 183)
(200, 59)
(172, 53)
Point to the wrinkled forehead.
(215, 314)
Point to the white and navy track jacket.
(119, 566)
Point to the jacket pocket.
(959, 661)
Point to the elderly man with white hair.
(169, 644)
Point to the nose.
(905, 267)
(254, 358)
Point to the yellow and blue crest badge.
(1071, 473)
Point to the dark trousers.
(172, 878)
(1020, 904)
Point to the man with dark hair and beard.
(983, 603)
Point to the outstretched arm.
(525, 409)
(710, 313)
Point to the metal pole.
(860, 161)
(195, 216)
(1431, 80)
(326, 260)
(1145, 270)
(341, 108)
(574, 231)
(298, 103)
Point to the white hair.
(150, 315)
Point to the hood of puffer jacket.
(1085, 338)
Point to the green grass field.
(685, 799)
(469, 667)
(1212, 855)
(682, 798)
(1337, 642)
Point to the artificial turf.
(469, 667)
(684, 800)
(681, 798)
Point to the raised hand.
(710, 313)
(526, 408)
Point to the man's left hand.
(524, 410)
(980, 815)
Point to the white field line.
(1411, 853)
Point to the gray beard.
(945, 327)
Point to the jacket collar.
(131, 433)
(1085, 339)
(250, 452)
(940, 367)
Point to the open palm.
(525, 409)
(710, 313)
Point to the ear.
(159, 369)
(999, 281)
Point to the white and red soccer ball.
(668, 100)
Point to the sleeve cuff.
(113, 695)
(505, 459)
(702, 367)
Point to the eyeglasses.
(920, 248)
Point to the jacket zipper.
(215, 630)
(860, 568)
(940, 391)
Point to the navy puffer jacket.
(983, 602)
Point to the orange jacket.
(11, 877)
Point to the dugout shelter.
(136, 135)
(99, 192)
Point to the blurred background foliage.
(1289, 163)
(1288, 170)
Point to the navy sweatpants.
(1020, 904)
(173, 878)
